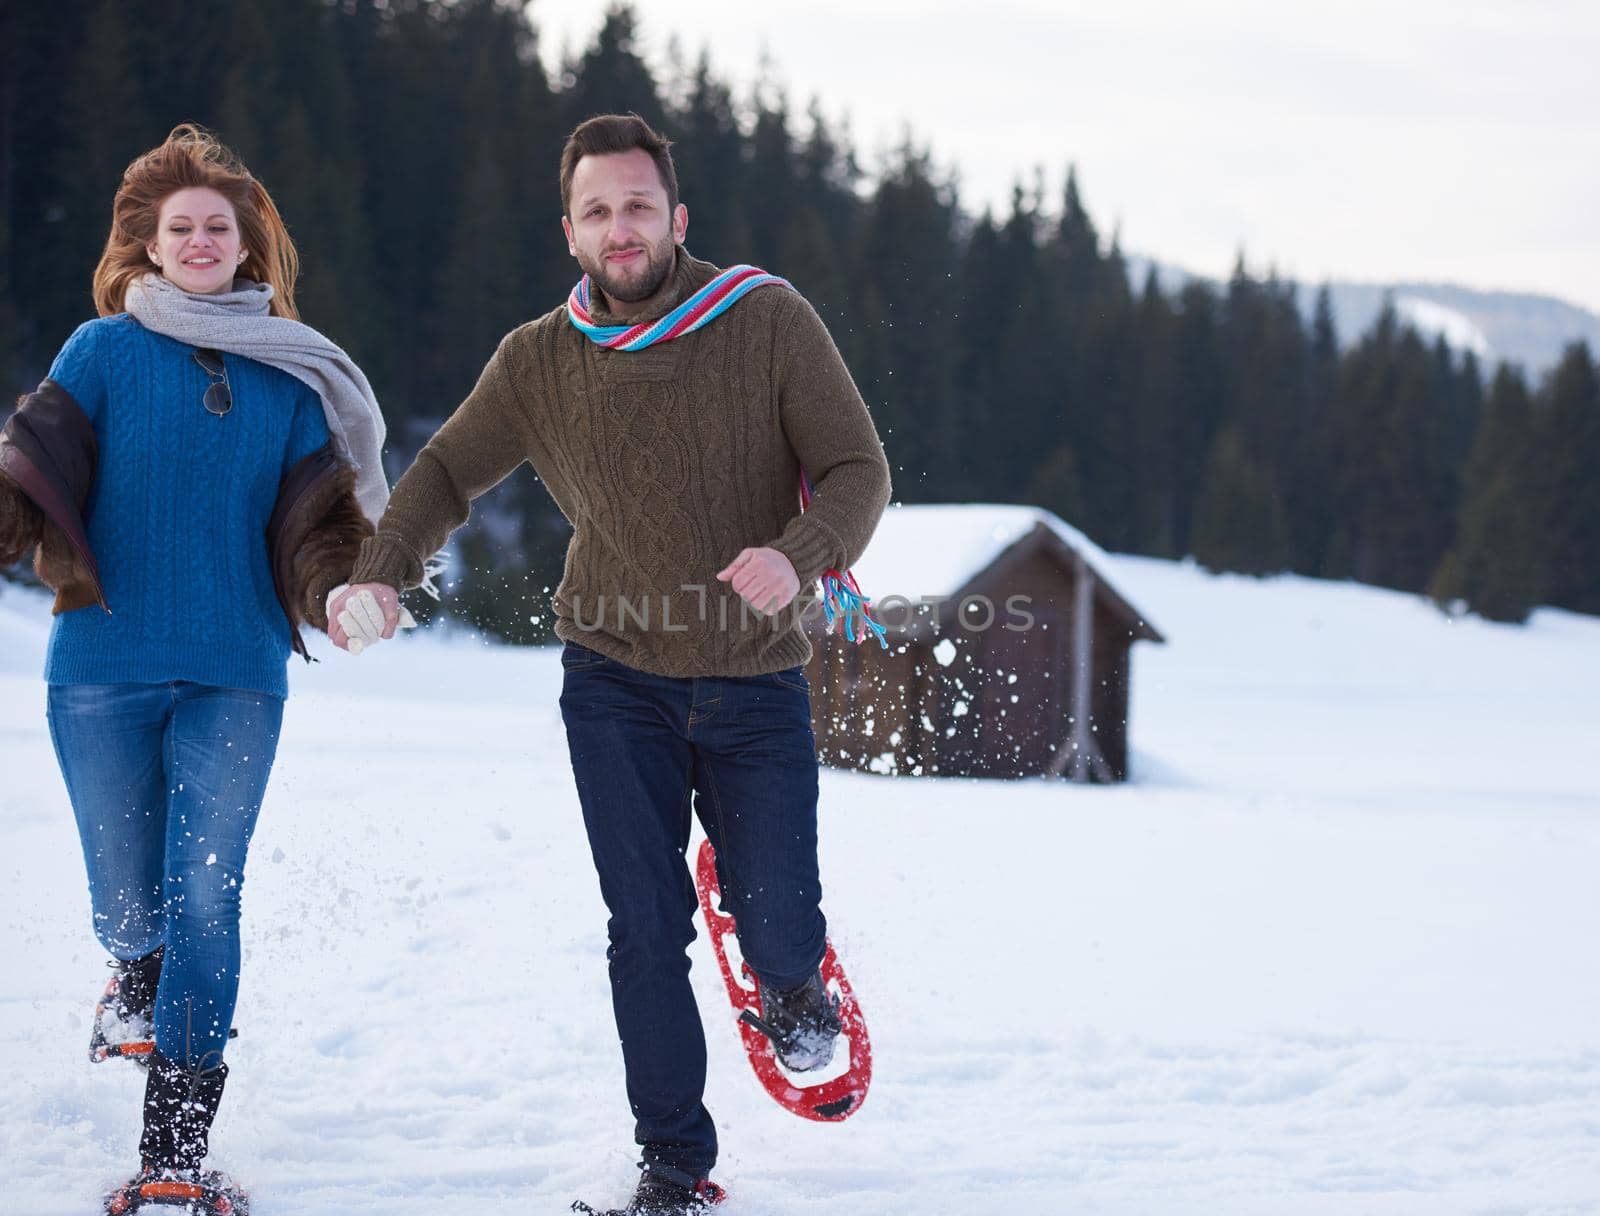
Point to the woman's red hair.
(192, 156)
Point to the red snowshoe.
(829, 1101)
(122, 1027)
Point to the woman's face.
(197, 241)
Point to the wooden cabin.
(1009, 652)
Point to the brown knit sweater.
(667, 462)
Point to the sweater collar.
(687, 276)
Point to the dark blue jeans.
(643, 747)
(166, 781)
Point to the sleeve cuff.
(811, 548)
(386, 558)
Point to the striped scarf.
(707, 304)
(842, 601)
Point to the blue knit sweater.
(178, 513)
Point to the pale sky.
(1437, 140)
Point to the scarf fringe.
(431, 570)
(843, 603)
(842, 599)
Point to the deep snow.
(1330, 952)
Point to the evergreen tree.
(810, 259)
(413, 144)
(1498, 566)
(250, 88)
(1058, 486)
(771, 181)
(494, 253)
(1309, 486)
(1067, 401)
(1459, 384)
(1390, 452)
(984, 307)
(908, 246)
(1239, 521)
(108, 124)
(1568, 458)
(611, 78)
(819, 235)
(1023, 357)
(484, 248)
(708, 151)
(1200, 388)
(1457, 392)
(1108, 429)
(1265, 365)
(829, 175)
(10, 333)
(1155, 470)
(409, 158)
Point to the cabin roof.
(932, 550)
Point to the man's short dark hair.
(607, 133)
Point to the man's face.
(620, 228)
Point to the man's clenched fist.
(764, 577)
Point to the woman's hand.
(364, 615)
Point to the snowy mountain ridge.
(1522, 328)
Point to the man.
(677, 454)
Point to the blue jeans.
(166, 781)
(642, 746)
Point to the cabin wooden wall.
(1000, 708)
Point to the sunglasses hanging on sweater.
(219, 397)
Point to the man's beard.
(658, 265)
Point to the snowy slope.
(1518, 327)
(1330, 953)
(1434, 320)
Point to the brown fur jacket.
(325, 555)
(318, 530)
(21, 523)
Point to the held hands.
(365, 614)
(764, 578)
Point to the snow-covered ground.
(1332, 951)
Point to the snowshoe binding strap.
(193, 1193)
(705, 1194)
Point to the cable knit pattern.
(667, 461)
(178, 513)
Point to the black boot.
(665, 1192)
(179, 1106)
(802, 1023)
(126, 1009)
(137, 981)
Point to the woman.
(195, 475)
